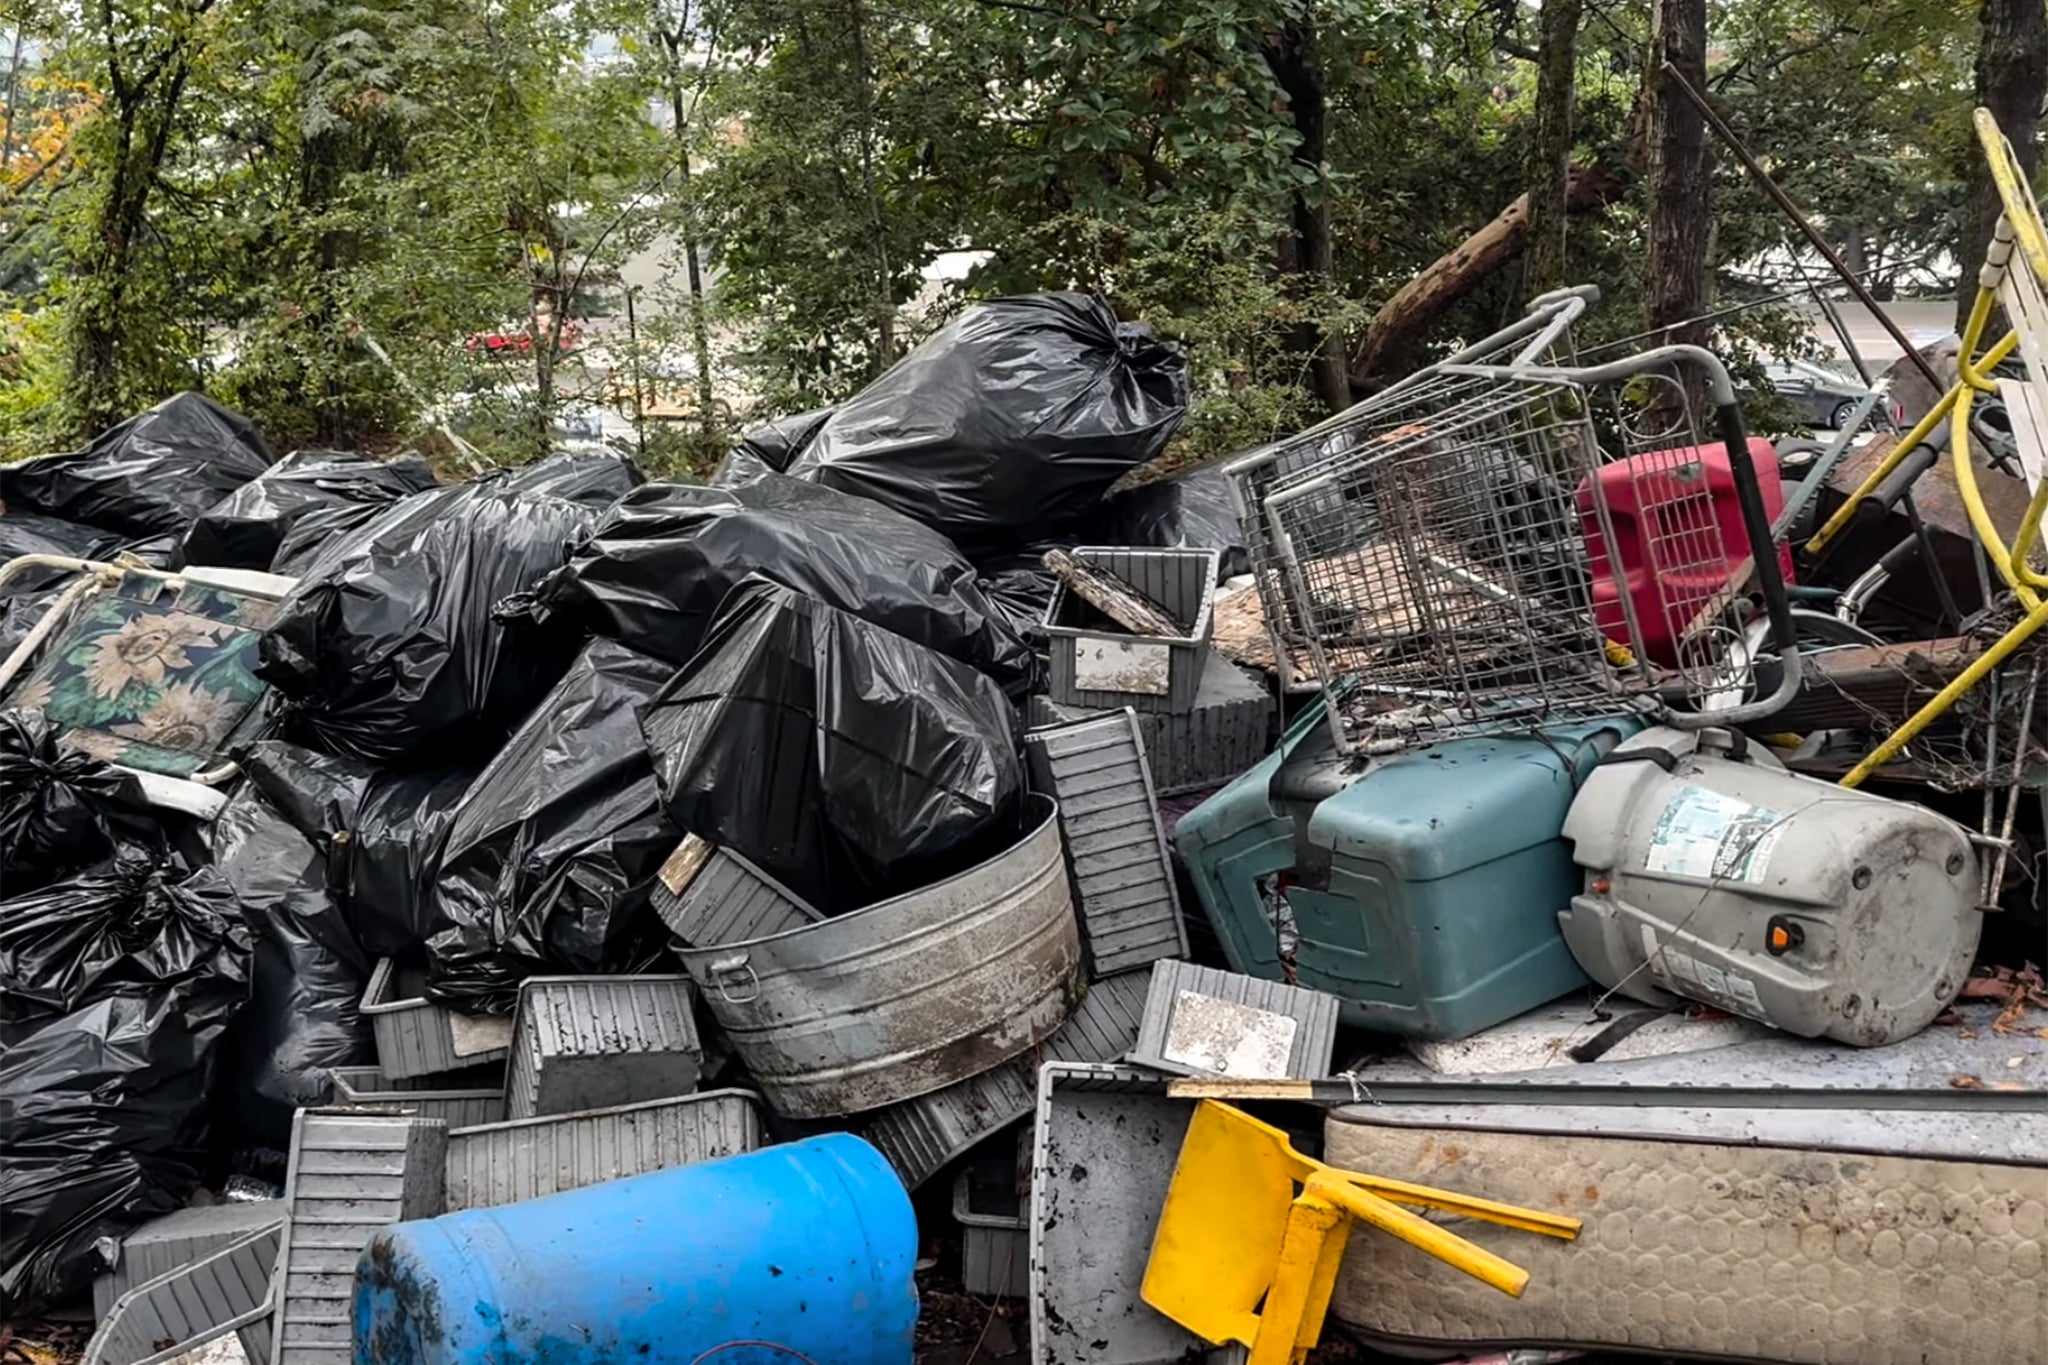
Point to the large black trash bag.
(114, 993)
(26, 533)
(379, 833)
(61, 812)
(309, 971)
(151, 475)
(1009, 423)
(246, 529)
(388, 649)
(1191, 510)
(595, 478)
(849, 762)
(654, 572)
(769, 449)
(549, 859)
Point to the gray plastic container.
(445, 1096)
(919, 1137)
(176, 1240)
(1094, 666)
(708, 896)
(227, 1290)
(504, 1163)
(1228, 730)
(416, 1037)
(1123, 873)
(592, 1042)
(994, 1219)
(1199, 1021)
(350, 1174)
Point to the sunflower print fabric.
(155, 685)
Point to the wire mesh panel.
(1357, 432)
(1444, 570)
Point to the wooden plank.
(1113, 597)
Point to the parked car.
(1821, 397)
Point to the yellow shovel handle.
(1441, 1243)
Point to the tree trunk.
(1398, 328)
(1680, 174)
(700, 332)
(1550, 158)
(1291, 56)
(885, 295)
(2012, 77)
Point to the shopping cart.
(1550, 545)
(1541, 333)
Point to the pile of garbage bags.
(495, 708)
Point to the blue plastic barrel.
(793, 1254)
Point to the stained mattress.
(1714, 1247)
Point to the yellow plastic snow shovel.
(1240, 1256)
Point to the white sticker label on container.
(1703, 833)
(1702, 980)
(471, 1034)
(1223, 1038)
(1106, 665)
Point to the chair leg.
(1292, 1320)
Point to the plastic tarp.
(246, 529)
(308, 970)
(661, 561)
(114, 992)
(848, 762)
(60, 812)
(388, 649)
(151, 475)
(1011, 422)
(769, 449)
(547, 864)
(379, 833)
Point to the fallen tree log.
(1401, 324)
(1114, 598)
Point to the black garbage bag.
(26, 533)
(379, 834)
(769, 449)
(849, 762)
(308, 971)
(151, 475)
(387, 649)
(653, 573)
(549, 859)
(1009, 423)
(1021, 587)
(114, 993)
(1192, 510)
(61, 812)
(246, 529)
(595, 478)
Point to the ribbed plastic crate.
(1199, 1021)
(416, 1037)
(1102, 665)
(1228, 730)
(1123, 874)
(594, 1042)
(503, 1163)
(349, 1175)
(446, 1096)
(176, 1240)
(709, 896)
(995, 1239)
(920, 1136)
(226, 1290)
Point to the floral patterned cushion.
(150, 679)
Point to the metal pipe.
(1812, 234)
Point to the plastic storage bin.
(1102, 665)
(1228, 729)
(1421, 889)
(416, 1037)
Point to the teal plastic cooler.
(1421, 889)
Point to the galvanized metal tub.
(910, 994)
